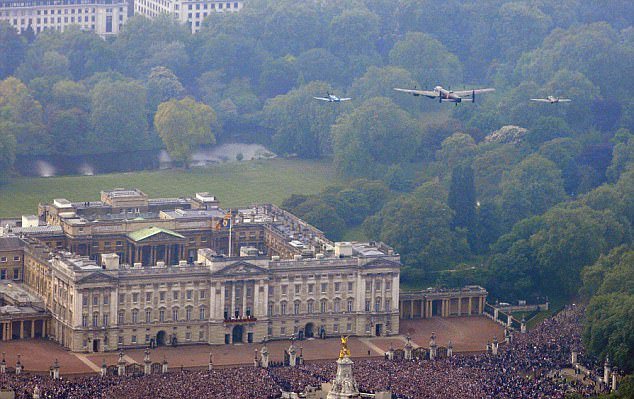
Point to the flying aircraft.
(331, 98)
(447, 96)
(551, 100)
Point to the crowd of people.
(526, 368)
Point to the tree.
(531, 187)
(69, 130)
(353, 32)
(376, 133)
(21, 117)
(456, 149)
(183, 125)
(427, 59)
(162, 85)
(7, 152)
(278, 76)
(622, 156)
(12, 49)
(321, 64)
(119, 115)
(380, 81)
(462, 200)
(300, 124)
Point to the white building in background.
(186, 11)
(104, 17)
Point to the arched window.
(283, 308)
(311, 306)
(121, 317)
(202, 313)
(148, 315)
(162, 315)
(188, 313)
(337, 305)
(135, 316)
(323, 306)
(296, 307)
(350, 305)
(174, 314)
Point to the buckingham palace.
(130, 271)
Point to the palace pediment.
(240, 269)
(96, 278)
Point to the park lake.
(93, 164)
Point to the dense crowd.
(527, 368)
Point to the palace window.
(284, 289)
(367, 305)
(283, 308)
(106, 299)
(388, 305)
(202, 294)
(377, 305)
(188, 314)
(311, 306)
(296, 307)
(135, 297)
(269, 310)
(121, 317)
(337, 306)
(202, 313)
(350, 305)
(349, 286)
(323, 306)
(337, 287)
(162, 315)
(84, 320)
(106, 320)
(95, 300)
(190, 294)
(148, 297)
(324, 288)
(162, 296)
(84, 300)
(148, 316)
(311, 288)
(133, 339)
(95, 319)
(298, 288)
(388, 285)
(175, 314)
(135, 316)
(121, 298)
(175, 295)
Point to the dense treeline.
(514, 195)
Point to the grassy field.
(236, 184)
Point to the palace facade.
(130, 271)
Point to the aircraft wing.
(321, 98)
(468, 93)
(564, 100)
(345, 99)
(427, 93)
(540, 100)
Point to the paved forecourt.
(466, 334)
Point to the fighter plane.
(551, 100)
(331, 98)
(447, 96)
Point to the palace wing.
(469, 93)
(427, 93)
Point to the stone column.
(18, 366)
(422, 308)
(606, 371)
(496, 313)
(233, 299)
(147, 363)
(104, 368)
(470, 311)
(411, 309)
(210, 366)
(459, 306)
(574, 358)
(32, 329)
(164, 366)
(121, 365)
(614, 381)
(55, 370)
(481, 309)
(264, 357)
(244, 298)
(21, 329)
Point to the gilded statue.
(345, 351)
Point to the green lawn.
(236, 184)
